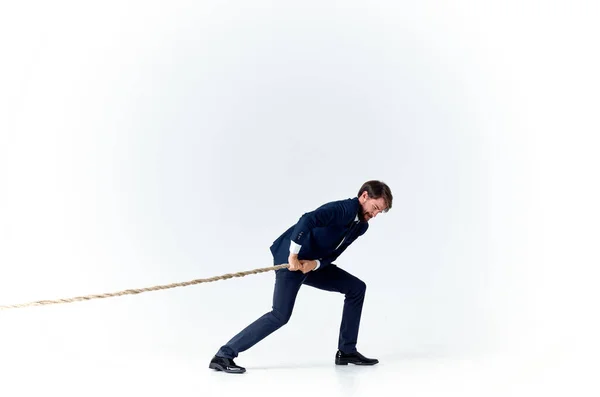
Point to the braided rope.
(140, 290)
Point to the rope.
(140, 290)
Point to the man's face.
(370, 207)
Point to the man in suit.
(310, 247)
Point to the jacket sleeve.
(329, 259)
(332, 213)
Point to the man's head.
(374, 197)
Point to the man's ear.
(364, 196)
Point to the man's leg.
(287, 285)
(332, 278)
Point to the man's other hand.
(307, 266)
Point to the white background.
(153, 142)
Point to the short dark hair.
(377, 189)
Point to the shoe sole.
(219, 367)
(344, 362)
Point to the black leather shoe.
(226, 365)
(342, 358)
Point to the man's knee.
(281, 317)
(358, 288)
(361, 287)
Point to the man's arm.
(323, 262)
(331, 213)
(327, 214)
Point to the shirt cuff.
(294, 248)
(318, 264)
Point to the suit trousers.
(287, 285)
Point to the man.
(310, 247)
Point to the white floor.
(112, 374)
(149, 346)
(160, 344)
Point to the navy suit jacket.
(323, 233)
